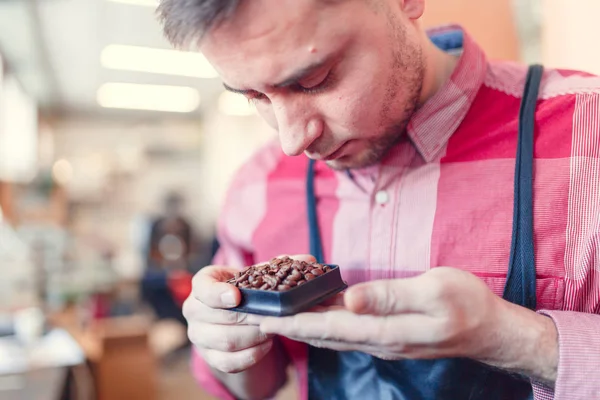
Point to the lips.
(336, 154)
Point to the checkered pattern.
(449, 193)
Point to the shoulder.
(568, 110)
(256, 189)
(267, 165)
(564, 94)
(258, 167)
(268, 173)
(557, 84)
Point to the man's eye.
(316, 85)
(257, 96)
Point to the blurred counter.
(122, 362)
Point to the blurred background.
(115, 155)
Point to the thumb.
(385, 297)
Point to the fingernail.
(228, 299)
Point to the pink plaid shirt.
(444, 197)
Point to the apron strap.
(316, 247)
(520, 285)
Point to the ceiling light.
(145, 3)
(148, 97)
(158, 61)
(235, 104)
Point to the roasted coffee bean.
(286, 269)
(288, 281)
(258, 281)
(243, 276)
(295, 275)
(279, 274)
(271, 280)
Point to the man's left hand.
(445, 312)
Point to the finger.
(323, 309)
(329, 325)
(339, 346)
(334, 345)
(196, 311)
(389, 297)
(337, 300)
(210, 288)
(345, 326)
(417, 352)
(333, 303)
(226, 338)
(238, 361)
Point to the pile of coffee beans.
(278, 275)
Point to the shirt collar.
(432, 125)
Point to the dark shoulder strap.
(316, 248)
(520, 282)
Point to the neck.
(438, 69)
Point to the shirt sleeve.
(578, 322)
(579, 357)
(207, 380)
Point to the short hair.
(185, 21)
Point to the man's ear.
(413, 9)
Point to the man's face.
(338, 80)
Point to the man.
(415, 160)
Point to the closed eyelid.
(307, 79)
(315, 80)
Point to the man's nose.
(298, 128)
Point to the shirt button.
(382, 197)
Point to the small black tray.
(292, 301)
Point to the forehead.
(265, 39)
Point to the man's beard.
(408, 64)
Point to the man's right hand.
(228, 341)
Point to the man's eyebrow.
(293, 79)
